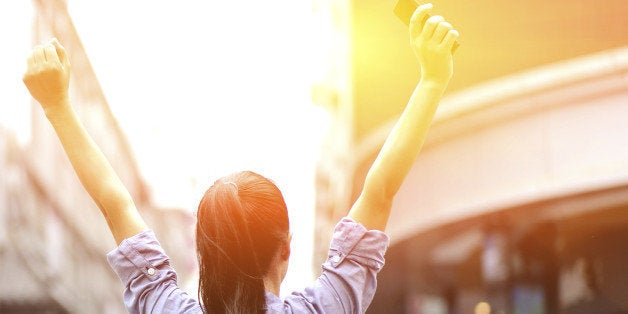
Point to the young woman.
(242, 233)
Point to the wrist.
(433, 83)
(57, 108)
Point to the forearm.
(95, 173)
(405, 140)
(397, 156)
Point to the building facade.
(519, 197)
(53, 238)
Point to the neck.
(277, 270)
(272, 283)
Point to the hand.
(432, 43)
(47, 75)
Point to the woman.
(242, 234)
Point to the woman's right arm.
(432, 44)
(357, 249)
(47, 79)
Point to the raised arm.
(432, 45)
(47, 79)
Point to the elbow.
(121, 204)
(382, 193)
(382, 185)
(378, 196)
(113, 201)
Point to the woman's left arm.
(47, 79)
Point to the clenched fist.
(433, 44)
(47, 75)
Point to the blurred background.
(519, 198)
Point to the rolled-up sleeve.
(349, 278)
(150, 283)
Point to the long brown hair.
(242, 220)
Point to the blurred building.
(53, 239)
(520, 195)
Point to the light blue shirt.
(346, 285)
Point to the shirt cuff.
(139, 254)
(352, 240)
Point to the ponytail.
(242, 220)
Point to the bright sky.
(206, 88)
(14, 98)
